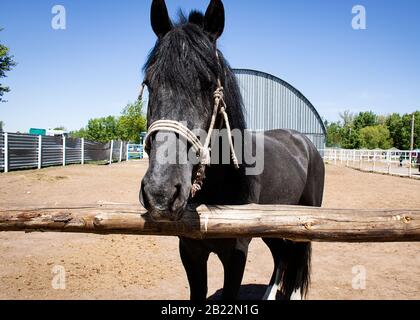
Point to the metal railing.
(393, 162)
(24, 151)
(134, 151)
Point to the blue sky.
(93, 68)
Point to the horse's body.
(181, 82)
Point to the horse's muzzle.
(163, 204)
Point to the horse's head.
(181, 74)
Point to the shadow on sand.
(247, 292)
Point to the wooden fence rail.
(289, 222)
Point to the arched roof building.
(272, 103)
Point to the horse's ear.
(214, 20)
(159, 17)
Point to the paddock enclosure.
(148, 267)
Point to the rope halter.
(202, 150)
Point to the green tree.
(394, 124)
(100, 130)
(350, 138)
(368, 130)
(6, 64)
(417, 130)
(365, 119)
(103, 129)
(131, 123)
(381, 120)
(334, 138)
(127, 127)
(406, 130)
(79, 133)
(374, 137)
(1, 126)
(348, 118)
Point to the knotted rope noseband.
(202, 150)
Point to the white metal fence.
(134, 151)
(24, 151)
(393, 162)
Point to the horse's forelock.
(185, 53)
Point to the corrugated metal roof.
(272, 103)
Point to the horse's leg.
(275, 246)
(194, 258)
(234, 261)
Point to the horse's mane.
(188, 44)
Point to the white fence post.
(374, 161)
(64, 150)
(82, 151)
(410, 169)
(39, 152)
(111, 151)
(389, 162)
(354, 158)
(6, 152)
(121, 151)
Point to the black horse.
(182, 73)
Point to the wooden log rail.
(289, 222)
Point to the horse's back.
(294, 170)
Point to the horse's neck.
(224, 184)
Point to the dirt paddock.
(134, 267)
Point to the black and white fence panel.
(23, 151)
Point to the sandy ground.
(133, 267)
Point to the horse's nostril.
(144, 198)
(175, 202)
(177, 192)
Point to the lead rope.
(203, 151)
(219, 108)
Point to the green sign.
(38, 132)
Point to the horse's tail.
(295, 268)
(292, 268)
